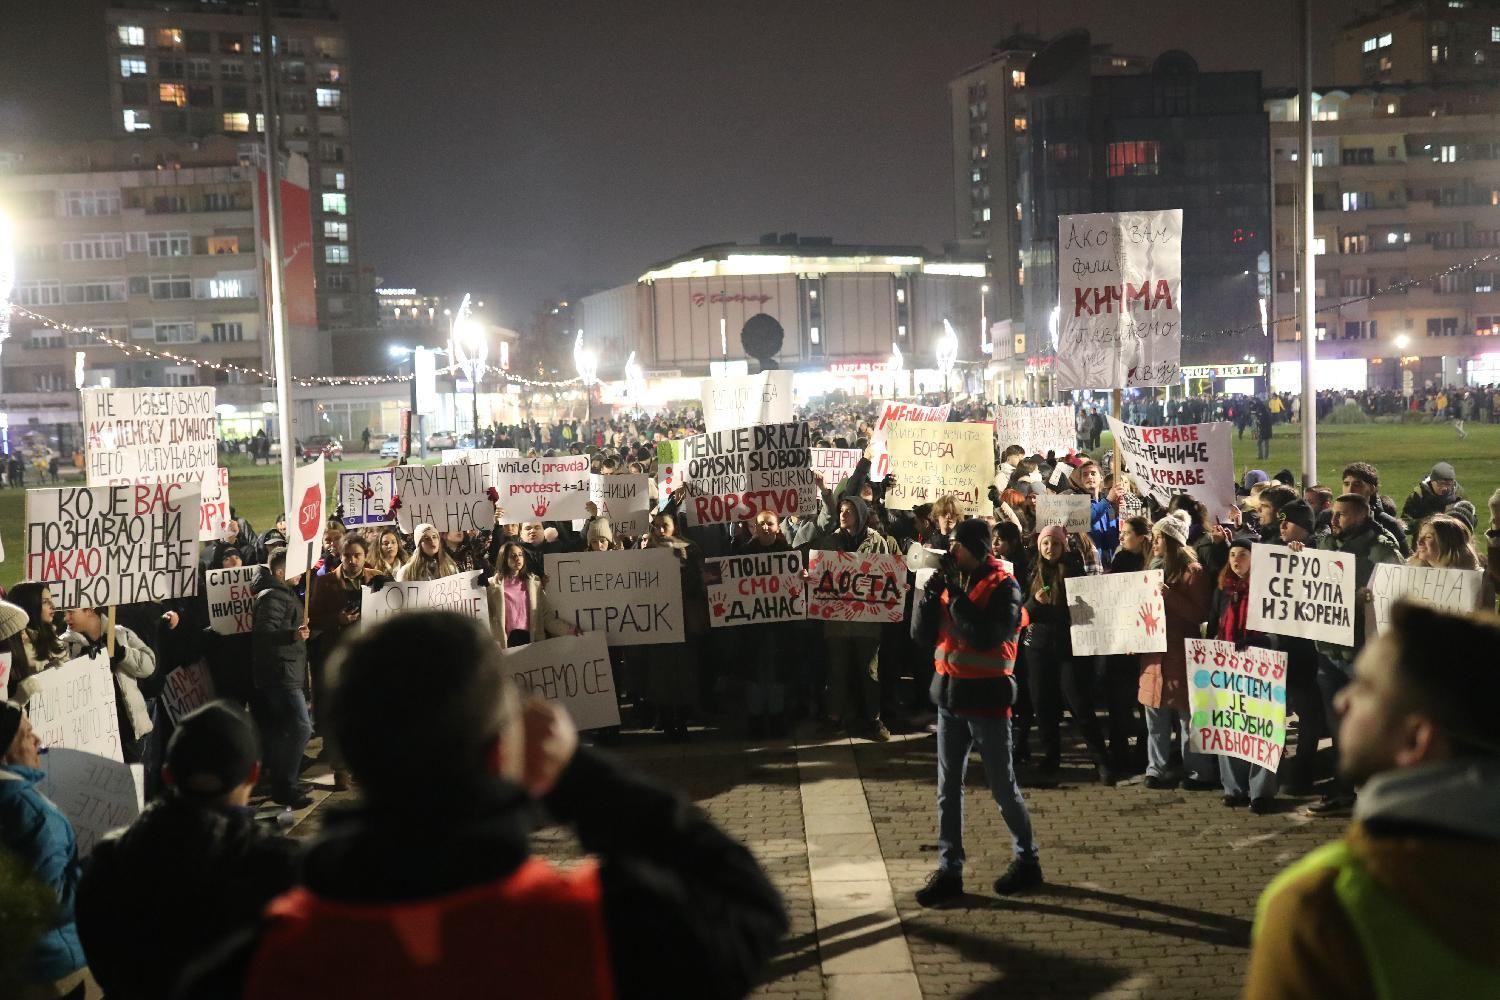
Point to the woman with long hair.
(1444, 541)
(387, 554)
(1186, 592)
(429, 561)
(1122, 671)
(37, 646)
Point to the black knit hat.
(1300, 514)
(213, 750)
(10, 723)
(974, 535)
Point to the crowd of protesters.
(445, 756)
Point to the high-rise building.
(186, 69)
(1421, 41)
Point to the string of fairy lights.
(311, 381)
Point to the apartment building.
(1421, 41)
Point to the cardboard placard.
(455, 593)
(633, 596)
(74, 706)
(1458, 590)
(213, 509)
(880, 460)
(366, 497)
(834, 464)
(625, 500)
(1038, 429)
(186, 688)
(1196, 459)
(97, 546)
(1237, 698)
(573, 671)
(1308, 593)
(308, 519)
(487, 458)
(449, 497)
(231, 598)
(856, 587)
(731, 401)
(755, 588)
(543, 489)
(160, 435)
(1074, 511)
(1119, 613)
(97, 794)
(733, 475)
(930, 460)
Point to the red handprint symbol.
(1149, 619)
(540, 507)
(1198, 655)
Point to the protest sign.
(750, 589)
(1196, 459)
(366, 497)
(1308, 593)
(308, 518)
(880, 461)
(231, 598)
(633, 596)
(74, 706)
(186, 688)
(97, 794)
(930, 460)
(1237, 698)
(1038, 429)
(450, 497)
(151, 435)
(1132, 504)
(731, 401)
(1119, 300)
(213, 508)
(1450, 589)
(1074, 511)
(456, 593)
(856, 587)
(487, 458)
(625, 500)
(834, 464)
(574, 672)
(733, 475)
(96, 546)
(542, 489)
(1118, 613)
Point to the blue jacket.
(36, 832)
(1104, 528)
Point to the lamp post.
(947, 353)
(896, 364)
(469, 347)
(635, 382)
(586, 361)
(985, 346)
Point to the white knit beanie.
(1175, 526)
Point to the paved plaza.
(1150, 894)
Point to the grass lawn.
(1404, 453)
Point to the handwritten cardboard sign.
(1308, 593)
(572, 671)
(186, 688)
(754, 588)
(151, 435)
(74, 706)
(1074, 511)
(450, 497)
(930, 460)
(366, 497)
(1038, 429)
(1457, 590)
(731, 401)
(1118, 613)
(1238, 701)
(633, 596)
(455, 593)
(543, 489)
(856, 587)
(732, 475)
(892, 411)
(1196, 459)
(231, 598)
(97, 794)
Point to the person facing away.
(430, 878)
(1403, 906)
(191, 868)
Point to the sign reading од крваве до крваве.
(1196, 459)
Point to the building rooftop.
(788, 253)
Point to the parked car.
(391, 447)
(441, 439)
(321, 444)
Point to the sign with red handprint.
(1237, 699)
(450, 497)
(1117, 614)
(856, 587)
(755, 588)
(542, 489)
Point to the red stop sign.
(310, 514)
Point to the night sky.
(531, 150)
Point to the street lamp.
(469, 347)
(895, 366)
(1401, 341)
(586, 361)
(985, 345)
(635, 381)
(946, 350)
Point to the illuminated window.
(236, 121)
(134, 121)
(1320, 246)
(168, 38)
(1385, 64)
(335, 204)
(330, 97)
(132, 66)
(338, 253)
(172, 93)
(1390, 107)
(1019, 124)
(1447, 154)
(226, 288)
(1018, 78)
(1495, 32)
(1386, 39)
(134, 35)
(338, 180)
(1438, 55)
(223, 244)
(337, 231)
(1134, 159)
(985, 215)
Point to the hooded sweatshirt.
(862, 539)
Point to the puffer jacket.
(133, 661)
(279, 657)
(1423, 502)
(40, 836)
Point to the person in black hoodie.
(278, 670)
(191, 868)
(440, 842)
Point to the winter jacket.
(330, 595)
(1429, 838)
(1049, 627)
(206, 870)
(40, 836)
(988, 625)
(133, 661)
(687, 910)
(1163, 682)
(279, 659)
(870, 542)
(1423, 502)
(1370, 545)
(1383, 512)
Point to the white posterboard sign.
(572, 671)
(1074, 511)
(931, 460)
(753, 588)
(74, 706)
(456, 593)
(213, 509)
(1458, 590)
(151, 435)
(1308, 593)
(1118, 613)
(231, 598)
(308, 518)
(731, 401)
(730, 476)
(449, 497)
(633, 596)
(1119, 300)
(856, 586)
(488, 458)
(1196, 459)
(1237, 699)
(543, 489)
(97, 546)
(187, 688)
(834, 464)
(625, 500)
(880, 462)
(97, 794)
(366, 497)
(1038, 429)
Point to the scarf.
(1232, 625)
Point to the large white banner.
(732, 401)
(625, 500)
(97, 793)
(1038, 429)
(633, 596)
(308, 518)
(753, 588)
(449, 497)
(1119, 300)
(366, 497)
(151, 435)
(74, 706)
(231, 598)
(574, 672)
(1308, 593)
(1196, 459)
(1450, 589)
(880, 462)
(733, 475)
(113, 544)
(543, 489)
(1118, 613)
(455, 593)
(930, 460)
